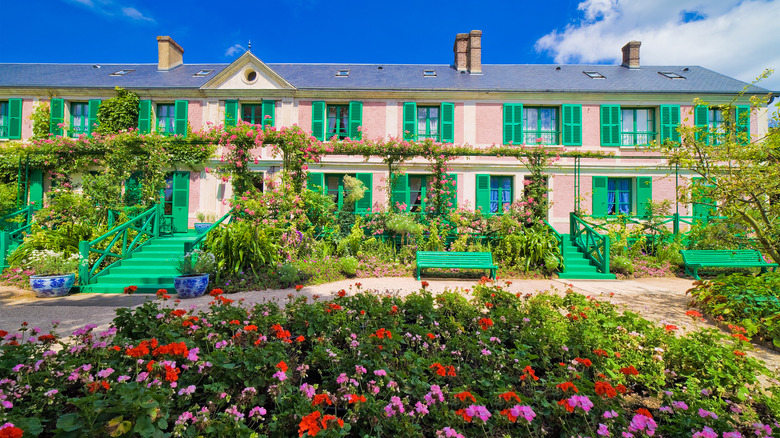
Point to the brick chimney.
(461, 49)
(631, 54)
(169, 53)
(475, 52)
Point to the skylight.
(594, 75)
(671, 75)
(429, 73)
(202, 73)
(342, 73)
(122, 72)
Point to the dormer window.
(594, 75)
(671, 75)
(342, 73)
(122, 72)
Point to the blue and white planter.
(201, 227)
(191, 286)
(47, 286)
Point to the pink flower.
(603, 430)
(478, 411)
(523, 411)
(582, 401)
(707, 432)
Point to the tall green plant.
(244, 246)
(40, 120)
(118, 113)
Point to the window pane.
(547, 118)
(415, 193)
(247, 113)
(642, 119)
(628, 120)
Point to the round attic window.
(250, 76)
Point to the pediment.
(247, 72)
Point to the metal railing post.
(5, 245)
(84, 263)
(605, 263)
(676, 224)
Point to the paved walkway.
(659, 299)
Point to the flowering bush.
(47, 262)
(373, 364)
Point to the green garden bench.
(449, 260)
(744, 258)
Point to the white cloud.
(135, 14)
(235, 48)
(87, 3)
(733, 37)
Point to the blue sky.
(734, 37)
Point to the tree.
(741, 175)
(118, 113)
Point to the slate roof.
(393, 77)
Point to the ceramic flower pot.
(47, 286)
(201, 227)
(191, 286)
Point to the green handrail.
(149, 227)
(557, 235)
(13, 220)
(595, 245)
(14, 227)
(189, 246)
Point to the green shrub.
(621, 265)
(118, 113)
(243, 246)
(750, 301)
(348, 266)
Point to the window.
(79, 118)
(202, 73)
(334, 187)
(122, 72)
(429, 73)
(712, 127)
(435, 122)
(637, 126)
(619, 196)
(419, 187)
(715, 124)
(332, 184)
(338, 122)
(428, 122)
(252, 113)
(342, 73)
(5, 120)
(671, 75)
(594, 75)
(540, 125)
(166, 117)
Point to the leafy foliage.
(752, 302)
(119, 113)
(40, 120)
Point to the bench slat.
(743, 258)
(466, 260)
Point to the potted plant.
(205, 220)
(194, 269)
(54, 272)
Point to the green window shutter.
(742, 118)
(700, 198)
(231, 113)
(364, 204)
(670, 121)
(410, 121)
(318, 120)
(315, 179)
(56, 116)
(599, 195)
(400, 191)
(355, 119)
(452, 198)
(610, 125)
(36, 188)
(94, 106)
(513, 123)
(644, 193)
(447, 114)
(483, 194)
(180, 123)
(701, 115)
(15, 116)
(269, 113)
(145, 116)
(572, 125)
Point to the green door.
(177, 200)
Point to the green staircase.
(577, 266)
(151, 267)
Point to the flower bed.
(753, 302)
(373, 364)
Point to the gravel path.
(658, 299)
